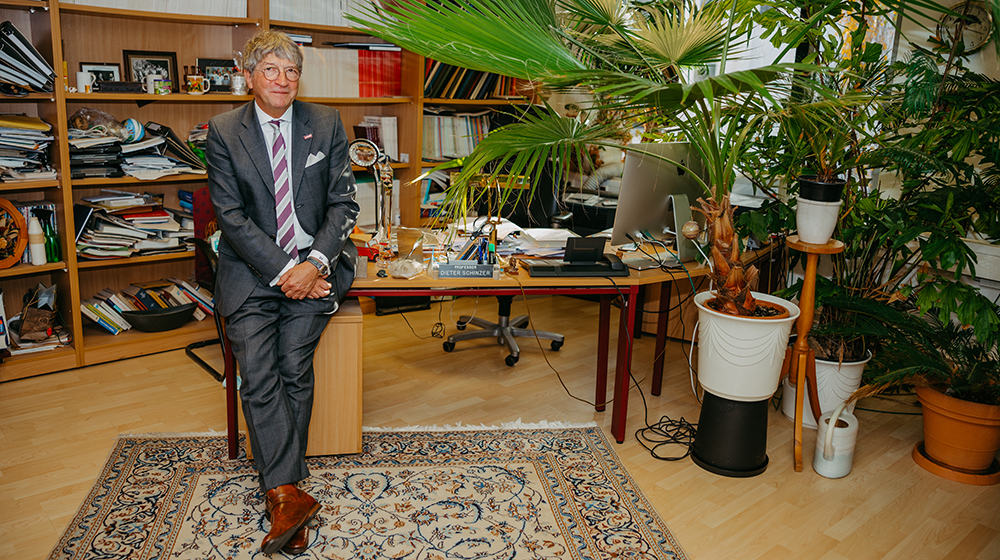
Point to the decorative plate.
(13, 234)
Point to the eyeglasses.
(271, 73)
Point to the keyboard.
(561, 268)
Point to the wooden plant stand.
(800, 360)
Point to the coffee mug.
(238, 84)
(197, 85)
(85, 82)
(151, 80)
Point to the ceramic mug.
(197, 85)
(85, 82)
(151, 80)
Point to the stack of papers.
(24, 149)
(94, 153)
(134, 231)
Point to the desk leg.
(637, 328)
(603, 335)
(661, 337)
(231, 404)
(623, 364)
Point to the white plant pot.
(739, 358)
(834, 383)
(816, 221)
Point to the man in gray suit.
(283, 190)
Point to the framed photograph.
(105, 71)
(139, 64)
(218, 71)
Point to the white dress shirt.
(302, 239)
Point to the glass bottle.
(52, 253)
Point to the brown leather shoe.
(298, 543)
(289, 509)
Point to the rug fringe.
(515, 425)
(154, 435)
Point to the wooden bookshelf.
(68, 34)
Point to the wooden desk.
(607, 288)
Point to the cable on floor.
(437, 330)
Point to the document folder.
(23, 61)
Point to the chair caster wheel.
(448, 346)
(510, 361)
(557, 344)
(460, 326)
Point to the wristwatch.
(323, 269)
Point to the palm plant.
(634, 58)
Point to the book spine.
(93, 316)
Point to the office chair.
(541, 211)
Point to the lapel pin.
(307, 136)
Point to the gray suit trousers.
(274, 339)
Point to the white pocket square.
(314, 158)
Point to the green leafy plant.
(635, 59)
(917, 347)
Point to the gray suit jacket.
(241, 185)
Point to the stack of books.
(444, 81)
(106, 308)
(381, 129)
(351, 70)
(24, 149)
(453, 136)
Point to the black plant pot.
(732, 437)
(820, 191)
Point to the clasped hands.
(303, 281)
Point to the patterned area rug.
(494, 493)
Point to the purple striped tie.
(282, 193)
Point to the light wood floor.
(56, 431)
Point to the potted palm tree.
(634, 59)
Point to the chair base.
(504, 331)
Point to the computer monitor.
(656, 196)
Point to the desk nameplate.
(467, 269)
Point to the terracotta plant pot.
(961, 435)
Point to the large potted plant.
(957, 375)
(634, 58)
